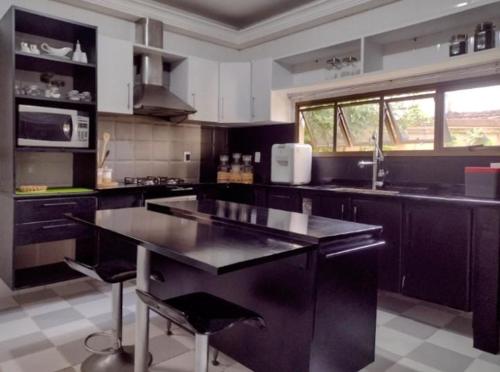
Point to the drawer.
(51, 209)
(39, 232)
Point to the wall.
(446, 171)
(142, 146)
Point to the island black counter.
(313, 279)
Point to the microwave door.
(38, 128)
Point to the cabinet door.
(261, 90)
(436, 254)
(204, 88)
(115, 75)
(235, 90)
(387, 214)
(331, 207)
(288, 200)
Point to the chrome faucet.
(378, 158)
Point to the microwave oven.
(52, 127)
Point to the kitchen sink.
(359, 190)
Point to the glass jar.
(484, 37)
(247, 170)
(458, 45)
(235, 176)
(223, 169)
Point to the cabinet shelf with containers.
(35, 244)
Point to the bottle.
(247, 170)
(235, 176)
(223, 169)
(77, 53)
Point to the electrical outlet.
(187, 156)
(257, 157)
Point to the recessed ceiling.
(237, 13)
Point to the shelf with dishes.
(59, 102)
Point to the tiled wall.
(142, 146)
(51, 169)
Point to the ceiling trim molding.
(298, 19)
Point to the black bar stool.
(117, 358)
(204, 315)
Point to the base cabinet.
(436, 254)
(387, 214)
(286, 199)
(331, 207)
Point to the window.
(317, 126)
(446, 118)
(472, 117)
(356, 122)
(409, 122)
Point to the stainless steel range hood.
(151, 95)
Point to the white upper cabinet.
(268, 106)
(235, 92)
(115, 82)
(196, 81)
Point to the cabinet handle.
(59, 204)
(222, 108)
(403, 282)
(280, 196)
(342, 211)
(50, 227)
(253, 108)
(194, 99)
(377, 244)
(128, 96)
(355, 213)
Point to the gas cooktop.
(152, 181)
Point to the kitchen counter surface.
(284, 224)
(219, 248)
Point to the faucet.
(378, 158)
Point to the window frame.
(440, 90)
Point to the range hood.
(152, 96)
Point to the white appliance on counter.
(291, 163)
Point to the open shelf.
(42, 275)
(44, 62)
(56, 102)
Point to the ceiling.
(237, 13)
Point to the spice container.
(458, 45)
(235, 174)
(247, 170)
(223, 169)
(484, 37)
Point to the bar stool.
(117, 358)
(204, 315)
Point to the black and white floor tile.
(43, 331)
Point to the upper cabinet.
(115, 80)
(268, 106)
(196, 81)
(234, 92)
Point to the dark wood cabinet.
(436, 254)
(286, 199)
(387, 214)
(331, 206)
(121, 200)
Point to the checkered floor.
(43, 330)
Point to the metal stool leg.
(122, 358)
(215, 362)
(201, 353)
(169, 328)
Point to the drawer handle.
(329, 256)
(178, 189)
(50, 227)
(59, 204)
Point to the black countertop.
(287, 225)
(219, 247)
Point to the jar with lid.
(235, 174)
(458, 45)
(223, 169)
(484, 37)
(247, 170)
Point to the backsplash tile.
(51, 169)
(142, 146)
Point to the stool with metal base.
(204, 315)
(117, 358)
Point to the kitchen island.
(313, 279)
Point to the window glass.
(409, 124)
(356, 123)
(317, 128)
(472, 117)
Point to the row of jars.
(239, 171)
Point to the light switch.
(187, 156)
(257, 157)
